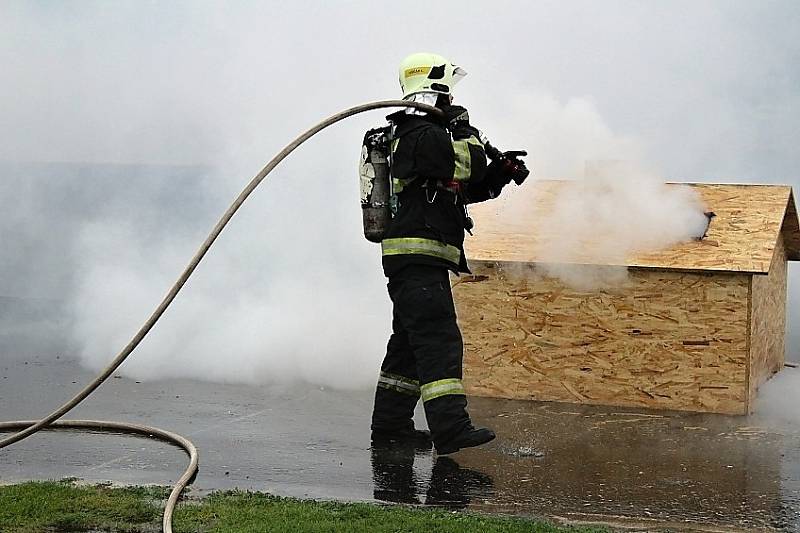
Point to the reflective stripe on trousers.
(399, 384)
(442, 387)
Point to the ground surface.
(556, 460)
(625, 466)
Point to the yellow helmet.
(424, 72)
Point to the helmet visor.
(458, 74)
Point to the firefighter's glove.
(456, 119)
(514, 167)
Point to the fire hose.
(29, 427)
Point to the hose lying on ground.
(31, 427)
(125, 427)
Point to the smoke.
(595, 224)
(776, 404)
(614, 204)
(163, 112)
(567, 133)
(280, 301)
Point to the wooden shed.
(698, 326)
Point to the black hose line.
(28, 428)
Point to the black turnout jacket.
(435, 172)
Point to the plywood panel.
(666, 340)
(741, 238)
(768, 323)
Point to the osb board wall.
(665, 340)
(768, 322)
(741, 238)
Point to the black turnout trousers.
(425, 347)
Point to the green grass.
(63, 506)
(43, 506)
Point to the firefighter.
(438, 166)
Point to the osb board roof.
(741, 238)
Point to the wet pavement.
(635, 468)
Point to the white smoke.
(613, 205)
(618, 209)
(561, 134)
(283, 296)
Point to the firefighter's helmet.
(432, 73)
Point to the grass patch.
(44, 506)
(63, 506)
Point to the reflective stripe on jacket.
(418, 245)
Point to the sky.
(126, 128)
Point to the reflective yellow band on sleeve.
(463, 159)
(442, 387)
(418, 245)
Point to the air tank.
(375, 185)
